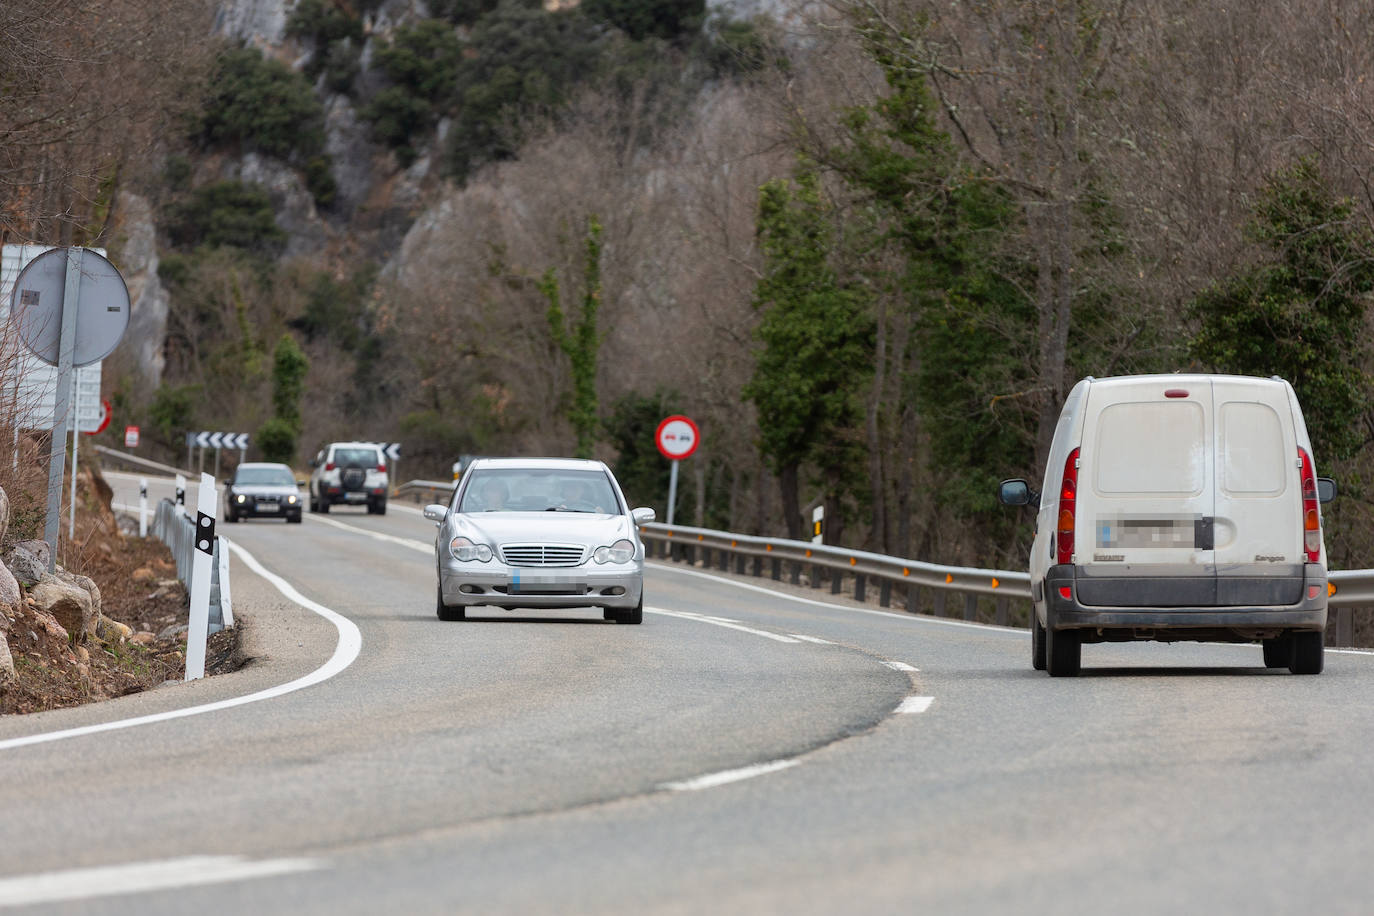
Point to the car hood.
(549, 527)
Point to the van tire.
(1308, 653)
(1278, 652)
(1063, 652)
(1037, 643)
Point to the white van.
(1178, 507)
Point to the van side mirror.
(1326, 489)
(1017, 492)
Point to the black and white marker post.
(143, 507)
(199, 629)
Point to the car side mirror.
(1017, 492)
(435, 512)
(1326, 489)
(643, 515)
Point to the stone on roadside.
(68, 604)
(10, 595)
(28, 560)
(112, 630)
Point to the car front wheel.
(445, 612)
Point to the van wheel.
(1278, 652)
(1308, 653)
(1063, 652)
(1037, 643)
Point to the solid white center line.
(712, 780)
(141, 877)
(816, 639)
(716, 622)
(914, 704)
(413, 544)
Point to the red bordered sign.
(677, 437)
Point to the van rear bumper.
(1237, 622)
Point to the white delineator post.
(199, 629)
(181, 494)
(143, 507)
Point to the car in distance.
(349, 473)
(262, 489)
(1178, 507)
(539, 533)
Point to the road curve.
(745, 750)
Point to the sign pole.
(71, 527)
(672, 489)
(71, 294)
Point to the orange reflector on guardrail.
(808, 553)
(768, 547)
(905, 571)
(701, 537)
(995, 583)
(1330, 588)
(948, 578)
(852, 561)
(734, 543)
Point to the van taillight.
(1068, 497)
(329, 465)
(1311, 518)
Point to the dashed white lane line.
(142, 877)
(721, 622)
(711, 780)
(421, 546)
(345, 651)
(914, 705)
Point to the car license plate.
(529, 583)
(355, 497)
(268, 507)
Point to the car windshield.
(538, 490)
(276, 477)
(358, 457)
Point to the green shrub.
(227, 213)
(276, 439)
(262, 105)
(640, 19)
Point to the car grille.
(542, 554)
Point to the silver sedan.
(539, 533)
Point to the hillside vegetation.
(869, 247)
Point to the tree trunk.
(789, 490)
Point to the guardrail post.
(860, 589)
(1345, 626)
(758, 567)
(796, 572)
(836, 581)
(885, 593)
(739, 563)
(970, 606)
(722, 559)
(1002, 610)
(939, 602)
(911, 599)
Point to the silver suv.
(351, 473)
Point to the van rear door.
(1144, 531)
(1258, 504)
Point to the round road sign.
(102, 305)
(677, 437)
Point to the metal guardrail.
(144, 463)
(850, 571)
(177, 530)
(425, 490)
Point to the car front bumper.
(498, 585)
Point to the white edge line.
(914, 705)
(815, 639)
(721, 623)
(142, 877)
(917, 618)
(345, 651)
(711, 780)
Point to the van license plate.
(1148, 532)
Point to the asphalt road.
(745, 750)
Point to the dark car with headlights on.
(540, 533)
(262, 490)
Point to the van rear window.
(1151, 448)
(1252, 452)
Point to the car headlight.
(291, 500)
(465, 551)
(240, 498)
(622, 551)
